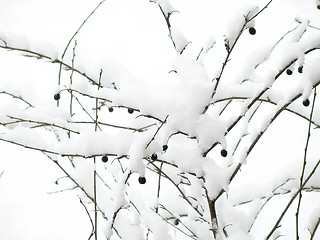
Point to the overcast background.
(121, 34)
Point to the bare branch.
(292, 199)
(73, 36)
(264, 8)
(259, 95)
(41, 123)
(88, 214)
(304, 163)
(313, 232)
(17, 97)
(153, 137)
(52, 60)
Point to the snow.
(186, 155)
(99, 143)
(216, 178)
(311, 71)
(83, 174)
(209, 131)
(168, 91)
(156, 225)
(179, 39)
(27, 137)
(136, 153)
(165, 6)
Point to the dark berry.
(300, 69)
(154, 156)
(104, 158)
(252, 31)
(56, 96)
(289, 72)
(110, 109)
(176, 222)
(306, 103)
(130, 110)
(318, 7)
(142, 180)
(224, 153)
(164, 147)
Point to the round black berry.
(56, 96)
(306, 103)
(289, 72)
(300, 69)
(252, 31)
(224, 153)
(318, 7)
(176, 222)
(142, 180)
(164, 147)
(154, 156)
(104, 158)
(130, 110)
(110, 109)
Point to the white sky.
(122, 33)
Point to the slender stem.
(92, 225)
(304, 164)
(153, 137)
(95, 168)
(73, 36)
(159, 185)
(213, 214)
(71, 77)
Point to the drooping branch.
(30, 53)
(39, 124)
(17, 97)
(259, 96)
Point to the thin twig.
(73, 36)
(304, 163)
(264, 8)
(297, 20)
(176, 185)
(313, 233)
(71, 77)
(167, 19)
(41, 123)
(155, 134)
(276, 225)
(92, 225)
(17, 97)
(95, 168)
(86, 94)
(192, 233)
(75, 182)
(52, 60)
(259, 95)
(270, 102)
(159, 185)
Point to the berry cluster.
(289, 71)
(305, 102)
